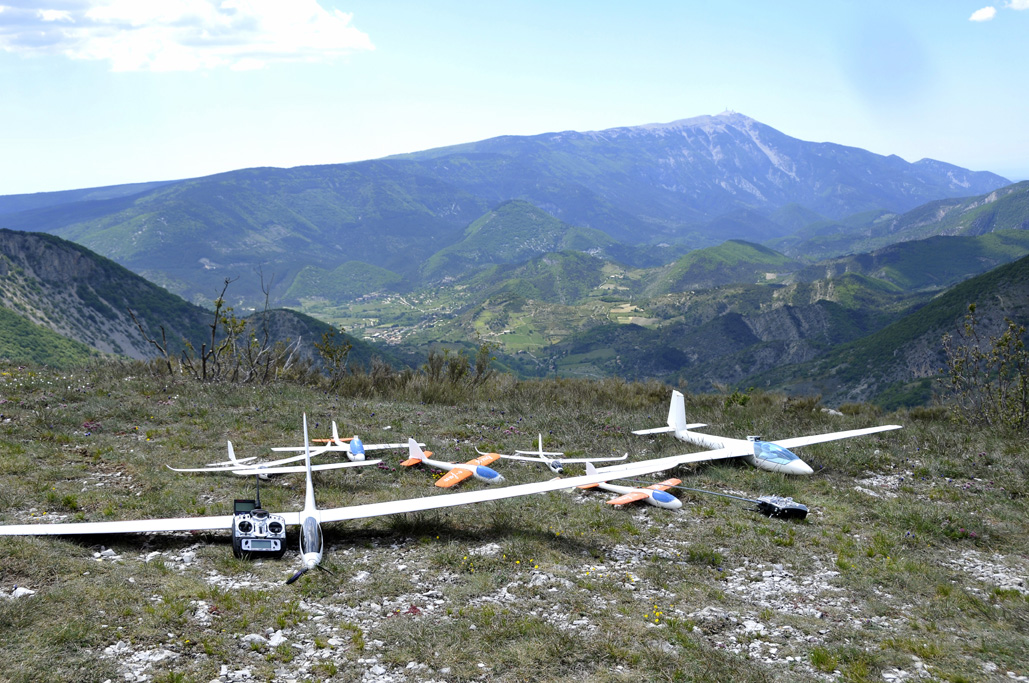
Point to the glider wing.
(453, 477)
(630, 497)
(832, 436)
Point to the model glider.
(774, 456)
(245, 467)
(550, 459)
(455, 472)
(655, 494)
(354, 448)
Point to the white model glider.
(774, 456)
(244, 467)
(655, 494)
(550, 458)
(456, 472)
(353, 447)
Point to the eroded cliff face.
(791, 324)
(83, 296)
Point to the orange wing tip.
(589, 486)
(412, 461)
(665, 485)
(484, 459)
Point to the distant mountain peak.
(705, 122)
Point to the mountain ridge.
(694, 184)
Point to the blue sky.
(101, 92)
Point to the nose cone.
(798, 466)
(488, 475)
(665, 500)
(311, 560)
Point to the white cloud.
(180, 35)
(54, 15)
(984, 14)
(1018, 4)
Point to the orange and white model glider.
(655, 494)
(352, 445)
(455, 472)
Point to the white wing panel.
(518, 457)
(135, 526)
(798, 441)
(661, 464)
(269, 469)
(577, 461)
(299, 469)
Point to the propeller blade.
(296, 576)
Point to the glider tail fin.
(335, 435)
(232, 453)
(590, 471)
(677, 412)
(415, 453)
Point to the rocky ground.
(775, 614)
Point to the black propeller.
(303, 570)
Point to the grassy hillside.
(190, 235)
(81, 295)
(910, 564)
(733, 261)
(794, 217)
(900, 360)
(931, 263)
(345, 282)
(1006, 208)
(513, 232)
(61, 291)
(22, 341)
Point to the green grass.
(551, 587)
